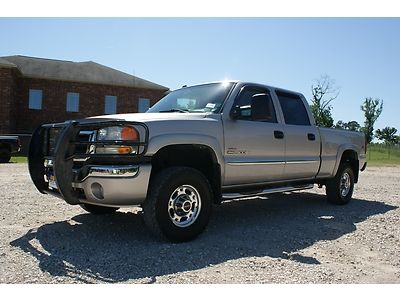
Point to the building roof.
(5, 63)
(87, 71)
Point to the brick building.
(37, 90)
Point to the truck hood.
(176, 128)
(149, 117)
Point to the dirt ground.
(292, 238)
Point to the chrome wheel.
(184, 206)
(345, 184)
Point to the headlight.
(117, 133)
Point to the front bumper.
(64, 167)
(115, 185)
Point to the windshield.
(195, 99)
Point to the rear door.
(254, 144)
(302, 139)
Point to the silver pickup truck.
(196, 147)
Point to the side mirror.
(240, 112)
(235, 112)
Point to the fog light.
(97, 190)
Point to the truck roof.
(241, 82)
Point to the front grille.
(84, 136)
(53, 135)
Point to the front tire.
(178, 204)
(339, 189)
(98, 210)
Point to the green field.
(377, 155)
(18, 159)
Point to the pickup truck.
(196, 147)
(8, 145)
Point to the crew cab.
(196, 147)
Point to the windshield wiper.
(175, 110)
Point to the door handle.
(278, 134)
(311, 136)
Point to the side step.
(230, 196)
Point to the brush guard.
(68, 164)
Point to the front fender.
(160, 141)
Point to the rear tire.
(178, 204)
(339, 189)
(98, 210)
(5, 155)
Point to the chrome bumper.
(115, 185)
(113, 171)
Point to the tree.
(340, 125)
(351, 125)
(388, 135)
(323, 93)
(372, 109)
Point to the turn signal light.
(124, 150)
(129, 134)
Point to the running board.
(230, 196)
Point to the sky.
(361, 55)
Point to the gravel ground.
(294, 238)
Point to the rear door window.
(293, 109)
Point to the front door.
(254, 139)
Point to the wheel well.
(199, 157)
(350, 157)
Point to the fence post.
(369, 153)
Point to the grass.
(19, 159)
(379, 155)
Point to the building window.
(110, 105)
(35, 99)
(144, 105)
(73, 102)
